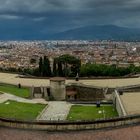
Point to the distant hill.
(104, 32)
(34, 31)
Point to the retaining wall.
(66, 125)
(118, 104)
(132, 88)
(87, 93)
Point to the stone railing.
(70, 125)
(131, 88)
(118, 104)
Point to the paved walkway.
(14, 79)
(4, 97)
(56, 110)
(131, 102)
(127, 133)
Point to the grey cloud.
(43, 6)
(65, 14)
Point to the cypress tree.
(40, 66)
(54, 67)
(67, 65)
(46, 67)
(60, 70)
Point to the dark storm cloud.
(64, 14)
(40, 6)
(104, 3)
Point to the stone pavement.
(131, 102)
(126, 133)
(56, 110)
(14, 79)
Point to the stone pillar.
(58, 88)
(42, 91)
(46, 94)
(32, 92)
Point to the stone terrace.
(14, 79)
(131, 102)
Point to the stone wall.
(87, 93)
(110, 90)
(78, 92)
(133, 88)
(118, 104)
(39, 92)
(66, 125)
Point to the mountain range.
(104, 32)
(94, 32)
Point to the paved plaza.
(131, 102)
(14, 79)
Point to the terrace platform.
(131, 102)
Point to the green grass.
(21, 92)
(79, 112)
(18, 110)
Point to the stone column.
(58, 88)
(32, 92)
(46, 94)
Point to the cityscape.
(16, 54)
(70, 70)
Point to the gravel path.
(14, 79)
(131, 102)
(56, 110)
(4, 97)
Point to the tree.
(105, 70)
(36, 72)
(68, 65)
(75, 68)
(49, 68)
(46, 67)
(55, 67)
(60, 70)
(41, 66)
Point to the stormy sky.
(59, 15)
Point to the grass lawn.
(18, 110)
(79, 112)
(21, 92)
